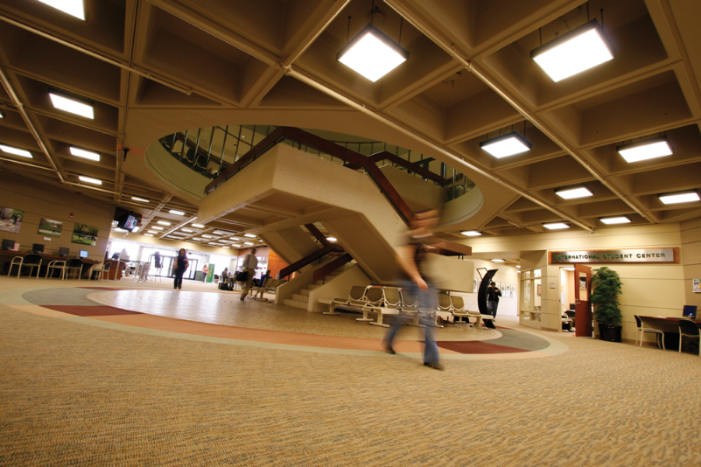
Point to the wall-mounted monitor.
(37, 248)
(126, 220)
(8, 244)
(83, 253)
(690, 311)
(63, 252)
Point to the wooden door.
(582, 310)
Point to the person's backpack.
(242, 276)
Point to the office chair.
(688, 328)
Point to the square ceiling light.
(176, 212)
(644, 150)
(16, 151)
(471, 233)
(556, 226)
(574, 192)
(506, 145)
(372, 54)
(2, 114)
(72, 7)
(72, 105)
(93, 156)
(163, 222)
(681, 197)
(134, 198)
(615, 220)
(199, 226)
(94, 181)
(575, 51)
(187, 230)
(498, 261)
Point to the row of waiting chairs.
(65, 267)
(393, 301)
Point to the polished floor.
(200, 311)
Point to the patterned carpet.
(74, 394)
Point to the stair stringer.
(302, 281)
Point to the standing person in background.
(493, 294)
(180, 266)
(250, 263)
(205, 270)
(412, 259)
(157, 261)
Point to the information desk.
(668, 325)
(117, 268)
(45, 260)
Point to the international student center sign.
(638, 255)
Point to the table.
(668, 325)
(46, 259)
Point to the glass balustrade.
(210, 151)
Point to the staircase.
(301, 299)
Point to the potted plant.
(607, 286)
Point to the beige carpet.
(74, 394)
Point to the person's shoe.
(388, 349)
(242, 298)
(435, 366)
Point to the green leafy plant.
(607, 287)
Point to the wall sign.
(629, 255)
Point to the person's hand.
(422, 284)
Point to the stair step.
(300, 298)
(295, 303)
(312, 286)
(304, 292)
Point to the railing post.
(223, 146)
(209, 149)
(238, 142)
(182, 151)
(197, 143)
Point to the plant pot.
(609, 333)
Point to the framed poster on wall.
(11, 219)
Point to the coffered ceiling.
(154, 67)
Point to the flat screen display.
(83, 253)
(690, 311)
(63, 252)
(8, 244)
(37, 248)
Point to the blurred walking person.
(250, 263)
(412, 258)
(180, 266)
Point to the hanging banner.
(628, 255)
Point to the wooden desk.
(669, 327)
(46, 259)
(116, 270)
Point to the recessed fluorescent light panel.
(208, 236)
(236, 246)
(72, 7)
(16, 151)
(72, 105)
(153, 231)
(90, 180)
(148, 235)
(2, 114)
(615, 220)
(574, 52)
(199, 226)
(176, 212)
(556, 226)
(372, 54)
(135, 229)
(134, 198)
(93, 156)
(163, 222)
(332, 239)
(248, 243)
(250, 235)
(498, 260)
(471, 233)
(506, 145)
(684, 197)
(157, 228)
(644, 150)
(574, 192)
(187, 230)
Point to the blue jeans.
(427, 301)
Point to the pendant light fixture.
(574, 52)
(372, 53)
(506, 145)
(644, 150)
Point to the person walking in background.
(412, 260)
(250, 263)
(205, 270)
(493, 294)
(180, 266)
